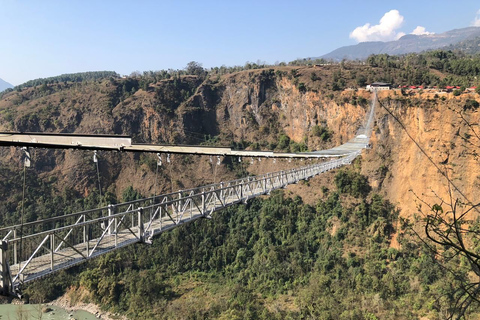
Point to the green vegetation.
(471, 104)
(275, 258)
(353, 183)
(439, 68)
(322, 132)
(287, 145)
(70, 77)
(415, 69)
(42, 200)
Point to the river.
(35, 311)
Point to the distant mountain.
(406, 44)
(4, 85)
(470, 46)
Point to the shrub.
(352, 183)
(283, 141)
(471, 104)
(302, 87)
(130, 194)
(297, 147)
(322, 132)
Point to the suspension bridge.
(35, 249)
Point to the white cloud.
(476, 22)
(386, 30)
(421, 30)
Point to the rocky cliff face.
(445, 131)
(259, 105)
(250, 108)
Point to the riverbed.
(36, 311)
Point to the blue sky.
(49, 37)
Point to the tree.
(283, 141)
(302, 87)
(195, 68)
(135, 74)
(361, 80)
(453, 238)
(130, 194)
(471, 104)
(353, 183)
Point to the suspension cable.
(26, 163)
(159, 164)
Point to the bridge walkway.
(58, 243)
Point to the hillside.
(333, 247)
(471, 46)
(407, 44)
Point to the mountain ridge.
(409, 43)
(4, 85)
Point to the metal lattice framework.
(35, 249)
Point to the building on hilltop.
(379, 86)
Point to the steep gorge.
(249, 109)
(444, 130)
(327, 253)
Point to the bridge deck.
(142, 222)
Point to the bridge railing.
(33, 227)
(60, 242)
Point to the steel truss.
(39, 248)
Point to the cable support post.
(111, 212)
(141, 231)
(115, 231)
(203, 201)
(241, 189)
(52, 251)
(86, 236)
(15, 257)
(179, 205)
